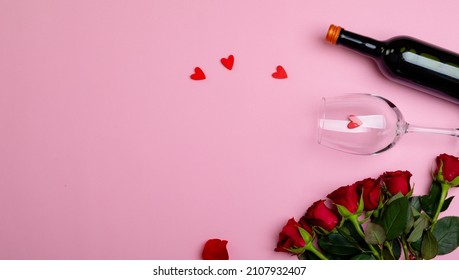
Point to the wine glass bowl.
(364, 124)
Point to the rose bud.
(347, 197)
(294, 237)
(215, 249)
(397, 182)
(320, 215)
(447, 170)
(370, 189)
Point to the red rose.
(397, 181)
(321, 216)
(215, 249)
(370, 189)
(290, 237)
(346, 196)
(449, 168)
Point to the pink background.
(108, 150)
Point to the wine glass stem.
(444, 131)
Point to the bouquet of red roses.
(378, 219)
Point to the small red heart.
(198, 74)
(280, 73)
(228, 62)
(354, 122)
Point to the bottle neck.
(362, 44)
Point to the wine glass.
(365, 124)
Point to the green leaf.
(395, 217)
(343, 211)
(395, 197)
(446, 203)
(337, 244)
(415, 248)
(410, 223)
(454, 182)
(348, 231)
(305, 234)
(419, 226)
(429, 245)
(375, 234)
(387, 255)
(446, 231)
(295, 251)
(364, 257)
(307, 255)
(415, 212)
(392, 250)
(396, 248)
(415, 202)
(429, 203)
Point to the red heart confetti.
(354, 122)
(198, 74)
(280, 73)
(228, 62)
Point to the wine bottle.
(407, 60)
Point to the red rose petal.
(215, 249)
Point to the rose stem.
(356, 224)
(312, 249)
(444, 192)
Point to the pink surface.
(110, 151)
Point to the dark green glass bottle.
(408, 61)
